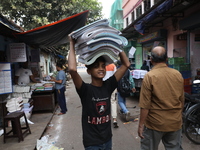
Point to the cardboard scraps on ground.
(132, 120)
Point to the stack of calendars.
(98, 39)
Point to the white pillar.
(152, 3)
(135, 14)
(142, 7)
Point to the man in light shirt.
(110, 70)
(23, 76)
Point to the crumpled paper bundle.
(44, 145)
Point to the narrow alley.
(65, 131)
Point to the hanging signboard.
(132, 52)
(5, 78)
(18, 52)
(155, 36)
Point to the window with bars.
(138, 11)
(133, 16)
(147, 5)
(127, 21)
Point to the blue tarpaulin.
(140, 25)
(60, 56)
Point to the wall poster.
(18, 52)
(5, 78)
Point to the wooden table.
(43, 100)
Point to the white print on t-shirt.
(98, 120)
(99, 99)
(101, 107)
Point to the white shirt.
(24, 76)
(110, 70)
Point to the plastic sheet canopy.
(53, 34)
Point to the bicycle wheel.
(192, 124)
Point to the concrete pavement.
(40, 120)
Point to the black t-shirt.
(96, 112)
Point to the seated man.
(23, 75)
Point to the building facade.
(173, 24)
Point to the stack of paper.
(98, 39)
(14, 104)
(39, 88)
(48, 86)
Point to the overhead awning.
(190, 22)
(140, 25)
(53, 34)
(7, 27)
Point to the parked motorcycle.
(191, 117)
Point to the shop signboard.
(155, 36)
(132, 52)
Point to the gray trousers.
(152, 138)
